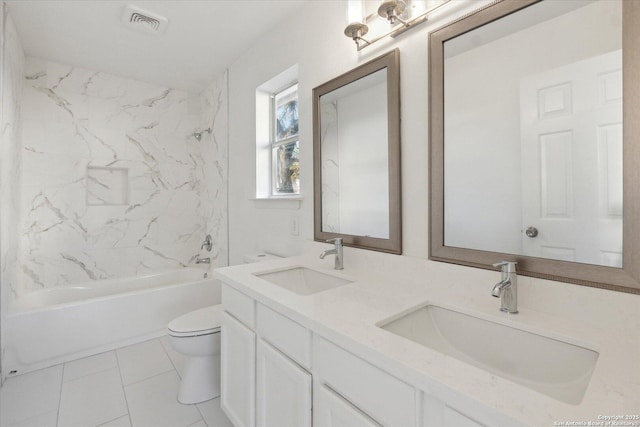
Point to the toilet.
(196, 335)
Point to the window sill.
(292, 203)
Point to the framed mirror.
(356, 149)
(533, 140)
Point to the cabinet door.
(238, 355)
(283, 390)
(331, 410)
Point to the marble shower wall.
(12, 78)
(213, 128)
(114, 181)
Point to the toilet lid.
(199, 322)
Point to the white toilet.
(197, 336)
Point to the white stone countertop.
(385, 285)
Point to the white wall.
(315, 41)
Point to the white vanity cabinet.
(278, 373)
(265, 357)
(238, 372)
(332, 410)
(378, 396)
(283, 390)
(283, 387)
(238, 358)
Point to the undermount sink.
(302, 280)
(556, 368)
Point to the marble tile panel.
(107, 186)
(10, 158)
(82, 120)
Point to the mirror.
(528, 159)
(356, 142)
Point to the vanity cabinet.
(438, 414)
(238, 378)
(276, 372)
(263, 356)
(283, 389)
(332, 410)
(376, 394)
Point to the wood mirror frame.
(625, 279)
(390, 61)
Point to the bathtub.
(52, 326)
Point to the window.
(277, 146)
(285, 147)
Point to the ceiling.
(202, 38)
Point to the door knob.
(531, 232)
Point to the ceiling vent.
(143, 20)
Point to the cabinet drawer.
(285, 334)
(381, 396)
(239, 305)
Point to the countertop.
(385, 285)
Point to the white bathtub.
(52, 326)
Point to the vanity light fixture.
(400, 16)
(391, 9)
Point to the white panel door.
(283, 390)
(571, 136)
(331, 410)
(238, 362)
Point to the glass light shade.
(355, 11)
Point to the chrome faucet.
(206, 260)
(507, 288)
(208, 243)
(337, 251)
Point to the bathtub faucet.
(206, 260)
(208, 243)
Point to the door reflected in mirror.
(533, 134)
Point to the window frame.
(275, 143)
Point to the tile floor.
(133, 386)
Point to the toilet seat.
(199, 322)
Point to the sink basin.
(302, 280)
(556, 368)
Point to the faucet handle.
(208, 243)
(507, 266)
